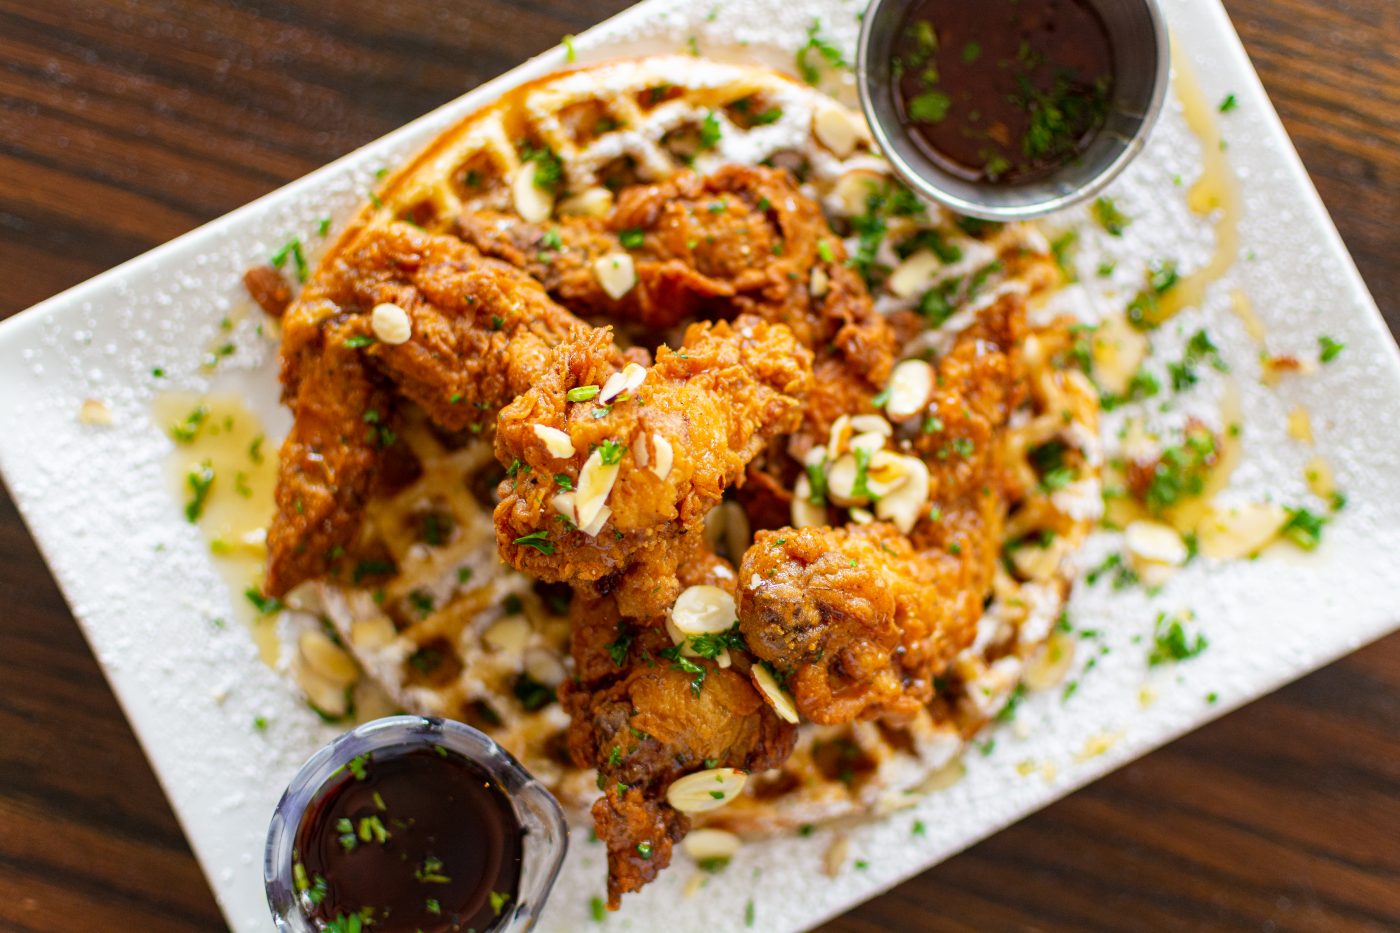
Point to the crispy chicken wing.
(861, 618)
(607, 491)
(643, 720)
(481, 333)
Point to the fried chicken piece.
(863, 618)
(481, 333)
(741, 240)
(638, 472)
(643, 722)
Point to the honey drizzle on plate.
(239, 504)
(1216, 191)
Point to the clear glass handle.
(545, 832)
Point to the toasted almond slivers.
(804, 513)
(326, 696)
(1154, 542)
(871, 424)
(595, 483)
(703, 610)
(509, 635)
(599, 520)
(834, 858)
(564, 504)
(665, 456)
(862, 516)
(631, 376)
(1318, 473)
(94, 412)
(904, 504)
(1118, 350)
(705, 790)
(1050, 663)
(1300, 425)
(706, 844)
(777, 697)
(390, 324)
(915, 275)
(1229, 534)
(532, 202)
(836, 128)
(944, 777)
(641, 454)
(557, 442)
(594, 202)
(840, 435)
(544, 667)
(853, 190)
(910, 385)
(819, 282)
(887, 472)
(841, 481)
(374, 632)
(327, 658)
(616, 273)
(870, 441)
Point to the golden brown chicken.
(645, 715)
(861, 619)
(741, 240)
(481, 332)
(610, 473)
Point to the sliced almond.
(705, 790)
(532, 203)
(1154, 542)
(599, 520)
(616, 273)
(94, 412)
(703, 610)
(1300, 425)
(641, 454)
(557, 442)
(372, 633)
(905, 504)
(592, 202)
(509, 635)
(819, 283)
(834, 858)
(804, 513)
(1050, 662)
(871, 424)
(777, 697)
(595, 483)
(705, 845)
(327, 658)
(327, 697)
(564, 504)
(841, 481)
(738, 533)
(870, 441)
(862, 516)
(390, 324)
(886, 472)
(545, 667)
(1318, 473)
(665, 456)
(909, 388)
(1118, 349)
(839, 436)
(631, 377)
(853, 190)
(837, 128)
(1229, 534)
(915, 275)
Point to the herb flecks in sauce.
(1002, 93)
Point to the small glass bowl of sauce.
(1011, 109)
(410, 824)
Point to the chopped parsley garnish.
(563, 481)
(644, 850)
(610, 451)
(1142, 310)
(551, 240)
(860, 487)
(1229, 103)
(710, 645)
(680, 662)
(771, 115)
(185, 431)
(549, 170)
(1142, 385)
(370, 568)
(1198, 349)
(200, 480)
(293, 249)
(532, 694)
(710, 131)
(1113, 220)
(539, 540)
(631, 239)
(583, 393)
(597, 910)
(323, 226)
(359, 340)
(617, 649)
(809, 69)
(498, 901)
(1181, 470)
(816, 479)
(929, 107)
(1303, 528)
(824, 251)
(1171, 643)
(266, 605)
(1328, 349)
(570, 54)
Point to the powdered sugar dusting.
(140, 579)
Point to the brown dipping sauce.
(1002, 91)
(415, 840)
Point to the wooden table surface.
(124, 123)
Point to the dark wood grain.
(124, 124)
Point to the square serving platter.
(141, 583)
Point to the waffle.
(444, 628)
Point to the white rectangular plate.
(140, 581)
